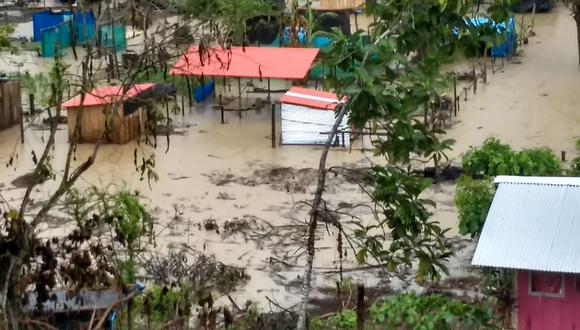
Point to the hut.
(99, 104)
(10, 106)
(255, 70)
(308, 116)
(532, 228)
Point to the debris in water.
(225, 196)
(211, 224)
(26, 180)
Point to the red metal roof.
(249, 62)
(310, 98)
(106, 95)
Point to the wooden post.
(563, 154)
(129, 314)
(360, 307)
(343, 143)
(240, 97)
(455, 98)
(474, 81)
(425, 113)
(182, 105)
(189, 96)
(166, 108)
(21, 125)
(273, 124)
(485, 73)
(521, 41)
(268, 89)
(222, 109)
(533, 20)
(31, 103)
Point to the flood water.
(527, 105)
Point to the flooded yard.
(228, 173)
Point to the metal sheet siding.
(302, 125)
(532, 226)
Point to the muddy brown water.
(225, 171)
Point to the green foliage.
(56, 83)
(495, 158)
(121, 211)
(407, 219)
(498, 284)
(230, 15)
(343, 320)
(158, 305)
(5, 33)
(409, 311)
(575, 166)
(538, 162)
(473, 199)
(491, 159)
(387, 82)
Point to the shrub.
(473, 199)
(494, 158)
(408, 311)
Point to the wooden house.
(108, 109)
(10, 103)
(532, 228)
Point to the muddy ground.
(217, 176)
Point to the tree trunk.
(303, 309)
(577, 19)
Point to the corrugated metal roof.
(247, 62)
(106, 95)
(533, 224)
(310, 98)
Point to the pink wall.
(541, 313)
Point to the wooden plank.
(4, 115)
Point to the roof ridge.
(539, 180)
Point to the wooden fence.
(10, 104)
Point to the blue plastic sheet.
(47, 19)
(79, 27)
(508, 45)
(56, 38)
(113, 35)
